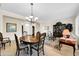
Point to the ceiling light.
(36, 18)
(31, 18)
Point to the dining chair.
(19, 47)
(3, 42)
(40, 45)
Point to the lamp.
(31, 18)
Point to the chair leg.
(17, 52)
(59, 46)
(73, 50)
(38, 52)
(27, 50)
(10, 43)
(3, 45)
(43, 50)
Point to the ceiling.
(44, 11)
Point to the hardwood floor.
(50, 50)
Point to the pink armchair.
(67, 40)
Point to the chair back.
(43, 35)
(1, 37)
(42, 39)
(17, 42)
(38, 34)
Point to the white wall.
(19, 27)
(9, 17)
(19, 24)
(18, 19)
(28, 28)
(69, 20)
(11, 14)
(77, 25)
(1, 22)
(64, 21)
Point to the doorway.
(33, 30)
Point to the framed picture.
(11, 27)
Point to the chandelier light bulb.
(30, 16)
(36, 18)
(29, 19)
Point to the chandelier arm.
(32, 19)
(31, 9)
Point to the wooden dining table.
(30, 40)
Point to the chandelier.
(31, 18)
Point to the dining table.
(30, 40)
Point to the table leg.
(30, 50)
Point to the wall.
(12, 17)
(1, 22)
(11, 14)
(69, 20)
(9, 17)
(77, 25)
(28, 28)
(12, 20)
(64, 20)
(19, 28)
(15, 18)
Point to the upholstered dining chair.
(40, 45)
(19, 47)
(3, 42)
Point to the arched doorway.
(33, 30)
(22, 30)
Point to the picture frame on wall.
(11, 27)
